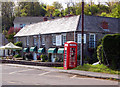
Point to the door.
(34, 56)
(72, 60)
(53, 57)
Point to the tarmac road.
(12, 75)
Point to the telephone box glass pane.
(65, 59)
(72, 57)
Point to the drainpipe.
(74, 36)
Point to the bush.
(28, 56)
(44, 58)
(110, 51)
(18, 44)
(99, 53)
(17, 56)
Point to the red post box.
(70, 55)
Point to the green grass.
(94, 68)
(97, 68)
(59, 67)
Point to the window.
(27, 43)
(21, 25)
(92, 40)
(54, 39)
(79, 36)
(35, 40)
(43, 40)
(58, 40)
(63, 38)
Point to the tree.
(30, 9)
(116, 11)
(78, 8)
(57, 5)
(50, 10)
(7, 14)
(56, 13)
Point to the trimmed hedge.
(109, 51)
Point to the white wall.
(17, 25)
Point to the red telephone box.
(70, 55)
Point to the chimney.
(45, 19)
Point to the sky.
(49, 2)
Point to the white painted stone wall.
(17, 25)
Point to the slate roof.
(65, 24)
(30, 19)
(93, 24)
(68, 24)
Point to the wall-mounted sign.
(72, 44)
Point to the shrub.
(110, 51)
(17, 56)
(99, 53)
(44, 58)
(18, 44)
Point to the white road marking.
(73, 76)
(20, 71)
(43, 73)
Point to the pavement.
(76, 72)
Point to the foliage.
(29, 9)
(7, 14)
(111, 49)
(13, 30)
(99, 53)
(44, 58)
(17, 56)
(57, 13)
(50, 10)
(18, 44)
(108, 52)
(97, 68)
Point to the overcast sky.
(49, 2)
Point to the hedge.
(109, 51)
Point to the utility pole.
(82, 39)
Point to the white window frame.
(35, 40)
(43, 40)
(79, 36)
(58, 40)
(53, 39)
(64, 39)
(90, 40)
(27, 42)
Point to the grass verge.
(94, 68)
(97, 68)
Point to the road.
(12, 75)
